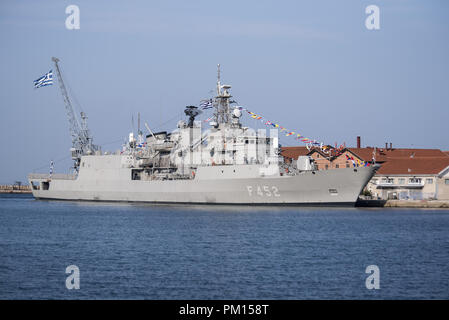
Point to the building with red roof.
(416, 178)
(404, 173)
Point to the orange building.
(332, 160)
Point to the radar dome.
(237, 113)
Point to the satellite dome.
(237, 113)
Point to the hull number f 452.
(263, 191)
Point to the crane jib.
(79, 132)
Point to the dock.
(14, 189)
(403, 203)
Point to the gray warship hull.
(230, 184)
(227, 163)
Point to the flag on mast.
(206, 104)
(45, 80)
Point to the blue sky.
(311, 66)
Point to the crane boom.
(79, 132)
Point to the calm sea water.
(205, 252)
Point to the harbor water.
(136, 251)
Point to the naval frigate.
(225, 163)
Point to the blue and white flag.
(45, 80)
(206, 104)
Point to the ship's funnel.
(192, 112)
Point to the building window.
(429, 180)
(414, 180)
(317, 155)
(446, 181)
(374, 181)
(347, 165)
(327, 166)
(388, 180)
(337, 166)
(401, 180)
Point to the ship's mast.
(81, 139)
(222, 113)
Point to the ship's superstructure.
(177, 155)
(225, 163)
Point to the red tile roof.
(409, 153)
(366, 154)
(414, 166)
(383, 154)
(294, 152)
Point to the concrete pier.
(403, 203)
(14, 189)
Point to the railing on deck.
(55, 176)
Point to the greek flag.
(45, 80)
(206, 104)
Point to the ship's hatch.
(136, 174)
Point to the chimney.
(358, 142)
(391, 146)
(386, 145)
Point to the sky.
(310, 66)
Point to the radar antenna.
(81, 139)
(222, 113)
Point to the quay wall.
(14, 189)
